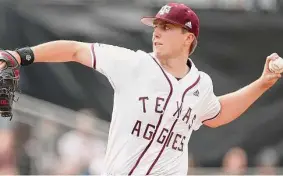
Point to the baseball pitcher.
(160, 98)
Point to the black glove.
(9, 78)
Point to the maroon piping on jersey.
(172, 127)
(159, 121)
(212, 117)
(93, 56)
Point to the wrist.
(262, 85)
(26, 55)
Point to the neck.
(177, 66)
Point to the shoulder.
(114, 49)
(118, 53)
(205, 77)
(206, 82)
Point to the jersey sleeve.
(210, 105)
(116, 63)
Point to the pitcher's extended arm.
(61, 51)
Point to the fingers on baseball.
(273, 56)
(273, 76)
(277, 76)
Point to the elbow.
(217, 121)
(76, 51)
(213, 125)
(82, 54)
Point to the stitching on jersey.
(212, 117)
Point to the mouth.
(157, 44)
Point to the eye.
(166, 27)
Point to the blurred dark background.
(235, 38)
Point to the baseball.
(276, 66)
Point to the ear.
(189, 38)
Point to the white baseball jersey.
(154, 114)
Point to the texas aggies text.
(146, 130)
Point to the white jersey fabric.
(154, 114)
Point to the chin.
(158, 52)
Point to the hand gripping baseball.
(9, 78)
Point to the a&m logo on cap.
(165, 9)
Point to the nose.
(156, 33)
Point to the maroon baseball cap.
(176, 13)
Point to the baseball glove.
(9, 78)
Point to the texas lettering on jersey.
(145, 130)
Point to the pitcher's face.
(170, 39)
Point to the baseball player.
(160, 98)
